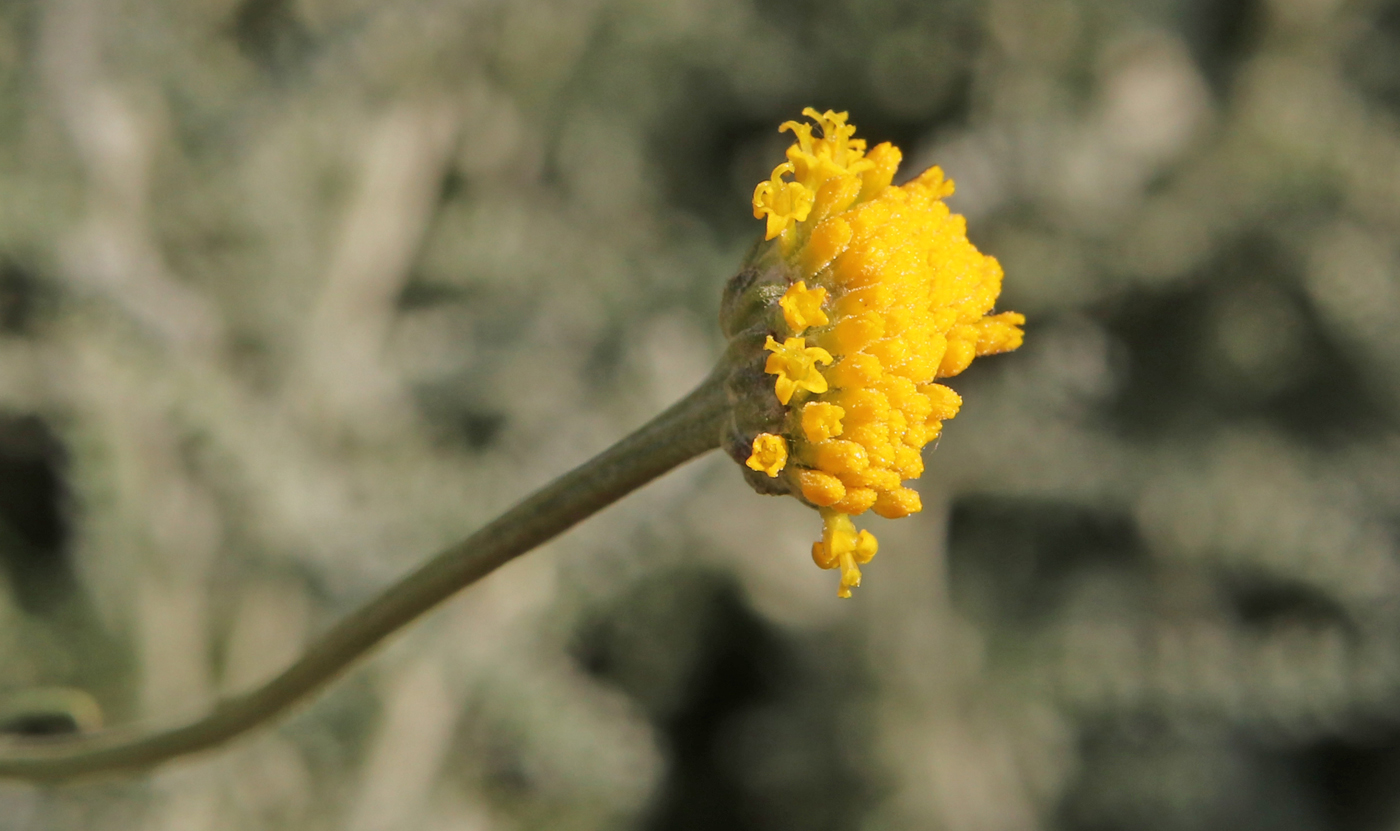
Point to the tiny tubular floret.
(795, 364)
(770, 454)
(802, 307)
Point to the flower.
(898, 299)
(802, 307)
(769, 454)
(795, 364)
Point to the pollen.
(885, 286)
(770, 454)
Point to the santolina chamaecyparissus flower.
(862, 295)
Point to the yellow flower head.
(898, 299)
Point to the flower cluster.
(881, 294)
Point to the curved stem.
(686, 430)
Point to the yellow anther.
(769, 454)
(795, 364)
(802, 307)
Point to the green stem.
(686, 430)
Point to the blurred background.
(293, 292)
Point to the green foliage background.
(294, 291)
